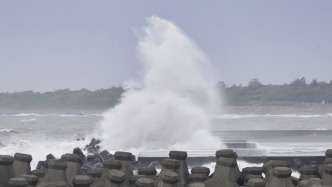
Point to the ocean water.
(290, 134)
(39, 134)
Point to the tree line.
(298, 90)
(62, 99)
(255, 92)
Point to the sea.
(250, 130)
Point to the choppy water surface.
(274, 133)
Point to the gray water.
(275, 131)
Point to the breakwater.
(122, 169)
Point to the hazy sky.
(49, 45)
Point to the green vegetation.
(294, 92)
(255, 93)
(62, 99)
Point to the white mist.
(175, 106)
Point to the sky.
(50, 45)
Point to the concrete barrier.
(116, 178)
(200, 170)
(197, 178)
(181, 156)
(281, 177)
(95, 175)
(308, 172)
(170, 179)
(168, 165)
(74, 164)
(32, 180)
(256, 182)
(225, 173)
(82, 181)
(125, 158)
(55, 173)
(6, 170)
(21, 164)
(144, 182)
(18, 182)
(327, 177)
(249, 176)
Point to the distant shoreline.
(253, 108)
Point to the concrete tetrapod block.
(200, 170)
(313, 182)
(50, 157)
(230, 153)
(168, 165)
(313, 163)
(74, 164)
(328, 153)
(116, 178)
(270, 165)
(32, 180)
(55, 173)
(253, 170)
(95, 175)
(281, 177)
(197, 184)
(108, 166)
(227, 153)
(112, 164)
(328, 160)
(148, 171)
(181, 156)
(119, 155)
(197, 178)
(178, 155)
(18, 182)
(327, 176)
(39, 173)
(308, 172)
(225, 173)
(6, 169)
(249, 171)
(256, 182)
(170, 179)
(144, 182)
(125, 158)
(21, 164)
(82, 181)
(249, 176)
(132, 179)
(59, 184)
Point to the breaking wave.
(175, 106)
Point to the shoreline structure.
(122, 170)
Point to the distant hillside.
(298, 91)
(255, 93)
(62, 99)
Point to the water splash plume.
(174, 107)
